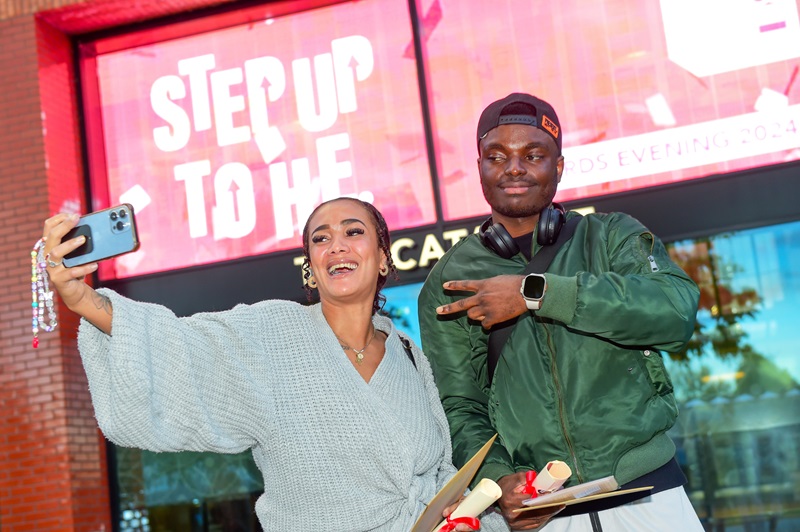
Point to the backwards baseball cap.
(520, 108)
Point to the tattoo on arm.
(102, 303)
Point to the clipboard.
(570, 502)
(452, 491)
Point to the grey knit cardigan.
(336, 453)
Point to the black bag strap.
(538, 264)
(407, 347)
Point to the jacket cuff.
(561, 298)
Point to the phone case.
(109, 233)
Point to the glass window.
(187, 491)
(401, 306)
(737, 382)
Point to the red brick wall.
(52, 459)
(52, 456)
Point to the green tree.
(724, 337)
(726, 307)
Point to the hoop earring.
(311, 282)
(384, 270)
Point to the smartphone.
(109, 233)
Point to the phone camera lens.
(113, 215)
(123, 213)
(120, 226)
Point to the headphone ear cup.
(496, 238)
(550, 221)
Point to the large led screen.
(647, 93)
(225, 140)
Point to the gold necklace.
(359, 352)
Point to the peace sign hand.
(497, 299)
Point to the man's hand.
(496, 299)
(513, 494)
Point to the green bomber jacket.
(581, 380)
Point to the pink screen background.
(598, 63)
(647, 93)
(386, 151)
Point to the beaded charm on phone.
(41, 295)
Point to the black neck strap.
(538, 264)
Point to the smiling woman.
(333, 234)
(279, 379)
(347, 259)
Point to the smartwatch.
(533, 288)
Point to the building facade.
(735, 228)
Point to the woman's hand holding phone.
(69, 282)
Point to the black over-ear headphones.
(496, 237)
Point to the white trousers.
(666, 511)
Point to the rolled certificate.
(485, 493)
(552, 477)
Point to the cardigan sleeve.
(164, 383)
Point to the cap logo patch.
(549, 126)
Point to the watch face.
(533, 287)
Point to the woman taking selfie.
(348, 432)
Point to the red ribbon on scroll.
(530, 476)
(471, 522)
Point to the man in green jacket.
(580, 378)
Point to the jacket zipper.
(650, 258)
(560, 400)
